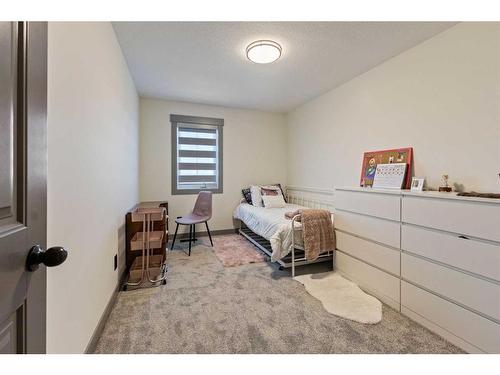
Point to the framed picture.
(372, 158)
(417, 184)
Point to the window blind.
(197, 156)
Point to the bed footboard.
(324, 256)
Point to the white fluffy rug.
(342, 297)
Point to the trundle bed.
(276, 236)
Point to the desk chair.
(202, 212)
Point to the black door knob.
(52, 257)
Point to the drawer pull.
(463, 237)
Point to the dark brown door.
(23, 170)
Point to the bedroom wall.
(442, 97)
(254, 153)
(93, 143)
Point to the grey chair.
(202, 212)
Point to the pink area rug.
(234, 250)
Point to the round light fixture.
(263, 51)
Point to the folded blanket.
(292, 214)
(317, 231)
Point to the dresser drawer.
(468, 326)
(380, 256)
(468, 254)
(475, 219)
(470, 291)
(371, 279)
(382, 205)
(380, 230)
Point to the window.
(196, 154)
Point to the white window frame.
(196, 122)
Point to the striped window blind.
(197, 159)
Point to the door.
(23, 170)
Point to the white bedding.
(271, 224)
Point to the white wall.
(254, 153)
(92, 174)
(442, 97)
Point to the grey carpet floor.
(254, 308)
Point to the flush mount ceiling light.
(263, 51)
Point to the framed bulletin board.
(372, 158)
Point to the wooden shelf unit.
(155, 240)
(148, 267)
(134, 227)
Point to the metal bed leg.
(293, 244)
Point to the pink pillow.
(269, 191)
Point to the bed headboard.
(310, 197)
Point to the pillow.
(247, 195)
(269, 190)
(257, 192)
(276, 188)
(273, 201)
(256, 196)
(282, 192)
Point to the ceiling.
(205, 62)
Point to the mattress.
(271, 224)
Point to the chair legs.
(175, 235)
(190, 238)
(209, 235)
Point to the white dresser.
(368, 232)
(433, 256)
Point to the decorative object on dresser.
(372, 158)
(433, 256)
(445, 188)
(480, 195)
(147, 267)
(417, 184)
(131, 228)
(390, 176)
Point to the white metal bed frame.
(294, 198)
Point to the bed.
(278, 237)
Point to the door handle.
(51, 257)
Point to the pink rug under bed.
(234, 250)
